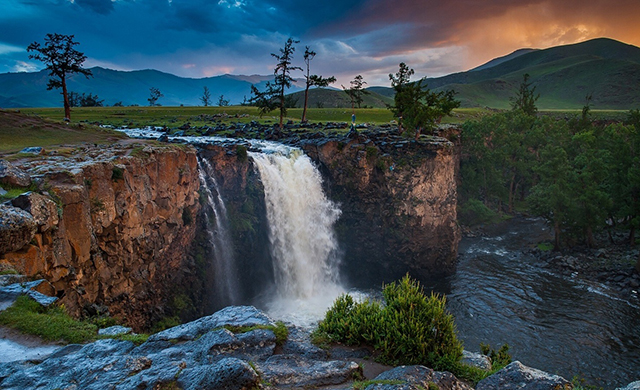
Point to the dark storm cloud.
(201, 37)
(98, 6)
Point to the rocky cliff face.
(110, 227)
(398, 199)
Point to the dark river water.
(557, 324)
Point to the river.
(561, 325)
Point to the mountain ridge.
(564, 75)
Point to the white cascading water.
(303, 243)
(226, 286)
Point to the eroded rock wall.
(114, 224)
(398, 199)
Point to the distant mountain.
(563, 75)
(30, 89)
(500, 60)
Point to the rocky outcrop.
(416, 378)
(109, 227)
(398, 199)
(18, 228)
(13, 176)
(518, 376)
(198, 355)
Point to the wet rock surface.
(218, 359)
(518, 376)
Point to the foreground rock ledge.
(203, 354)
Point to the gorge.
(143, 230)
(147, 231)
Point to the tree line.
(579, 175)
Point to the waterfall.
(304, 248)
(217, 225)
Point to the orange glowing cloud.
(544, 25)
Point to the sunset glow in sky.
(200, 38)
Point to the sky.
(202, 38)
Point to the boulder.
(299, 372)
(114, 330)
(631, 386)
(518, 376)
(479, 360)
(12, 176)
(417, 378)
(31, 289)
(43, 210)
(232, 316)
(37, 150)
(17, 228)
(226, 374)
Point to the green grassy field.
(20, 131)
(173, 117)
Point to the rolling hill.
(330, 97)
(563, 75)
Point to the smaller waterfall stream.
(226, 286)
(303, 244)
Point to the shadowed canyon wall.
(122, 228)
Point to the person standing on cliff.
(353, 132)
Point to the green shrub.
(117, 173)
(474, 212)
(241, 152)
(499, 359)
(411, 329)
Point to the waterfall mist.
(304, 247)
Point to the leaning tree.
(62, 59)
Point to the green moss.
(545, 246)
(241, 152)
(165, 323)
(187, 219)
(9, 271)
(361, 385)
(117, 174)
(280, 330)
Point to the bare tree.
(62, 59)
(312, 80)
(206, 97)
(154, 95)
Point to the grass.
(173, 117)
(20, 131)
(54, 324)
